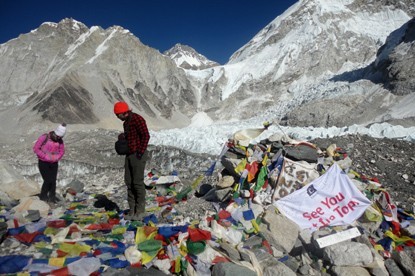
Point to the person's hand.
(121, 136)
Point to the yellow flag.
(74, 249)
(59, 262)
(146, 258)
(177, 265)
(197, 181)
(141, 236)
(265, 159)
(241, 166)
(397, 239)
(255, 225)
(118, 230)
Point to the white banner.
(332, 199)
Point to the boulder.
(231, 251)
(224, 195)
(278, 269)
(406, 260)
(131, 270)
(268, 264)
(393, 268)
(349, 271)
(225, 182)
(76, 186)
(306, 269)
(221, 195)
(14, 184)
(302, 153)
(410, 230)
(32, 203)
(230, 165)
(291, 262)
(348, 253)
(280, 231)
(377, 267)
(253, 241)
(5, 200)
(231, 269)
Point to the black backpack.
(121, 145)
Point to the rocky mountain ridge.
(305, 60)
(386, 80)
(295, 60)
(45, 70)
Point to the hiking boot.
(44, 198)
(53, 200)
(138, 216)
(129, 216)
(52, 205)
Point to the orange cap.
(121, 107)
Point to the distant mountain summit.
(188, 58)
(68, 72)
(292, 66)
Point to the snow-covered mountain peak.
(48, 24)
(68, 24)
(333, 20)
(188, 58)
(295, 58)
(68, 27)
(314, 39)
(310, 57)
(119, 29)
(72, 23)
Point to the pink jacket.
(50, 151)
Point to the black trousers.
(134, 179)
(49, 173)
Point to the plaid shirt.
(137, 133)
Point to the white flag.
(332, 199)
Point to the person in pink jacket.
(49, 149)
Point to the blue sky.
(214, 28)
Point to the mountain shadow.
(394, 66)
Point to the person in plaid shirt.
(137, 135)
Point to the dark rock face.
(397, 68)
(393, 73)
(391, 161)
(66, 103)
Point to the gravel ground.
(391, 161)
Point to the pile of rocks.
(227, 223)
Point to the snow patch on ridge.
(102, 47)
(82, 38)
